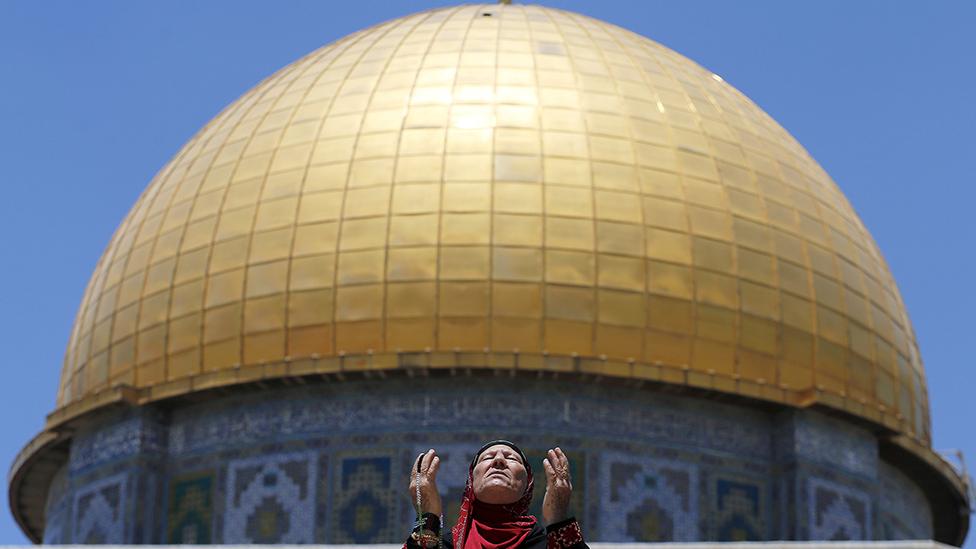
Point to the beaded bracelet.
(425, 538)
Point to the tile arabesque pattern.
(232, 473)
(57, 510)
(652, 500)
(498, 177)
(271, 499)
(903, 506)
(190, 509)
(100, 511)
(838, 512)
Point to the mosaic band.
(327, 465)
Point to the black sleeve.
(432, 525)
(565, 534)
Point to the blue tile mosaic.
(133, 434)
(835, 443)
(270, 499)
(494, 407)
(904, 508)
(58, 508)
(738, 510)
(330, 464)
(838, 512)
(189, 517)
(365, 499)
(100, 512)
(645, 499)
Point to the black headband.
(511, 445)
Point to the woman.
(494, 508)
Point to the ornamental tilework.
(837, 512)
(668, 420)
(137, 433)
(329, 464)
(647, 499)
(322, 501)
(903, 507)
(58, 508)
(365, 499)
(496, 406)
(301, 414)
(189, 515)
(54, 528)
(270, 499)
(835, 443)
(782, 509)
(100, 511)
(738, 510)
(147, 493)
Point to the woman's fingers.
(558, 459)
(559, 489)
(423, 486)
(563, 460)
(558, 466)
(426, 460)
(550, 473)
(434, 466)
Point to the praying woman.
(495, 505)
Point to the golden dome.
(499, 187)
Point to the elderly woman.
(494, 508)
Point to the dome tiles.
(510, 187)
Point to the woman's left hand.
(559, 487)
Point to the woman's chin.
(499, 494)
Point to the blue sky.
(95, 97)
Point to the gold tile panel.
(530, 183)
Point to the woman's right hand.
(426, 476)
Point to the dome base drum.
(326, 463)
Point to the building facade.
(480, 222)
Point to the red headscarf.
(486, 526)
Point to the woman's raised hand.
(559, 487)
(424, 474)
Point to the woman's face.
(499, 475)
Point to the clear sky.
(95, 97)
